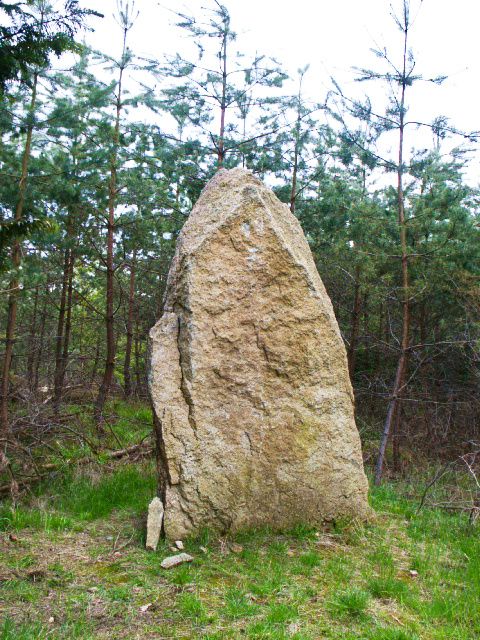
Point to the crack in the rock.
(250, 444)
(163, 472)
(261, 344)
(183, 383)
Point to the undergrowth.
(73, 565)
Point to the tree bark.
(405, 341)
(293, 189)
(128, 347)
(112, 199)
(68, 322)
(64, 330)
(16, 260)
(43, 322)
(138, 376)
(60, 330)
(296, 152)
(32, 341)
(223, 103)
(396, 441)
(65, 314)
(366, 327)
(95, 363)
(355, 322)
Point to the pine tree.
(213, 82)
(26, 41)
(126, 17)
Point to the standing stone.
(249, 380)
(154, 523)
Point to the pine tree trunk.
(355, 322)
(68, 322)
(32, 342)
(60, 330)
(405, 341)
(223, 106)
(14, 287)
(41, 342)
(96, 360)
(366, 328)
(138, 375)
(110, 328)
(293, 189)
(396, 442)
(109, 308)
(65, 313)
(128, 348)
(296, 153)
(62, 361)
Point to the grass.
(73, 565)
(128, 488)
(16, 519)
(84, 498)
(351, 602)
(387, 587)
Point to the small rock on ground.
(174, 561)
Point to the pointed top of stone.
(236, 193)
(218, 201)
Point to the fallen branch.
(473, 507)
(438, 474)
(47, 469)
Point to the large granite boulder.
(249, 380)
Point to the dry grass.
(72, 572)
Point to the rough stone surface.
(249, 375)
(154, 523)
(174, 561)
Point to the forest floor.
(73, 565)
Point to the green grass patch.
(387, 587)
(18, 518)
(352, 602)
(402, 576)
(311, 559)
(87, 497)
(190, 606)
(282, 612)
(9, 630)
(73, 499)
(133, 420)
(393, 634)
(239, 605)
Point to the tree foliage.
(27, 41)
(118, 158)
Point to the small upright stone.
(249, 380)
(154, 523)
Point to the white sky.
(332, 37)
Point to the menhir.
(249, 379)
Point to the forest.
(101, 161)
